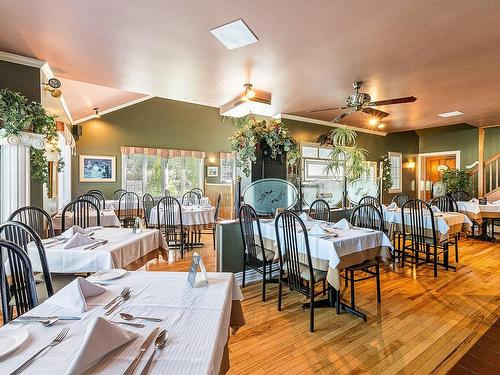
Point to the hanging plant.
(20, 115)
(252, 134)
(386, 172)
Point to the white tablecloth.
(197, 321)
(108, 219)
(478, 212)
(332, 249)
(443, 222)
(191, 215)
(111, 204)
(123, 248)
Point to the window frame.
(399, 155)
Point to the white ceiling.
(446, 53)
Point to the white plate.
(111, 274)
(11, 338)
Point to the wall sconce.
(409, 164)
(53, 86)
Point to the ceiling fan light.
(380, 126)
(249, 92)
(373, 121)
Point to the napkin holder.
(197, 279)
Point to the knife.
(144, 347)
(29, 317)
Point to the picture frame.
(212, 171)
(97, 168)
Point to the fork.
(110, 303)
(54, 342)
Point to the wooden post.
(481, 181)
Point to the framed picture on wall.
(95, 168)
(212, 171)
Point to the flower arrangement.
(20, 115)
(386, 172)
(252, 134)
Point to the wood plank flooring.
(424, 325)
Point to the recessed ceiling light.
(450, 114)
(234, 35)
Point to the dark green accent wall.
(491, 142)
(460, 137)
(26, 81)
(158, 123)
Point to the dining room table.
(482, 214)
(446, 224)
(194, 217)
(334, 249)
(108, 219)
(197, 320)
(116, 248)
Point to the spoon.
(160, 343)
(126, 316)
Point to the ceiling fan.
(361, 102)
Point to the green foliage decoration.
(386, 172)
(456, 179)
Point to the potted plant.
(269, 137)
(456, 180)
(346, 157)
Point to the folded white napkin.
(78, 240)
(496, 202)
(474, 200)
(392, 206)
(73, 296)
(305, 217)
(73, 230)
(100, 338)
(435, 209)
(343, 224)
(316, 229)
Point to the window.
(315, 160)
(153, 174)
(396, 171)
(226, 170)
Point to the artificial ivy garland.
(386, 172)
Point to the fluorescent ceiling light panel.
(450, 114)
(234, 35)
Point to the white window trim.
(400, 155)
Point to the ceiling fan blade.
(326, 109)
(375, 113)
(341, 116)
(407, 99)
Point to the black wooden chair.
(118, 193)
(255, 255)
(401, 199)
(93, 198)
(461, 196)
(100, 196)
(148, 202)
(36, 218)
(170, 223)
(419, 238)
(363, 216)
(83, 212)
(374, 202)
(19, 286)
(190, 198)
(448, 204)
(198, 191)
(212, 226)
(320, 210)
(295, 262)
(128, 209)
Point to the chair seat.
(305, 274)
(367, 263)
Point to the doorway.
(431, 168)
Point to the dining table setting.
(119, 322)
(194, 216)
(333, 246)
(93, 249)
(108, 218)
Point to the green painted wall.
(491, 142)
(460, 137)
(26, 81)
(156, 122)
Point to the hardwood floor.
(423, 325)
